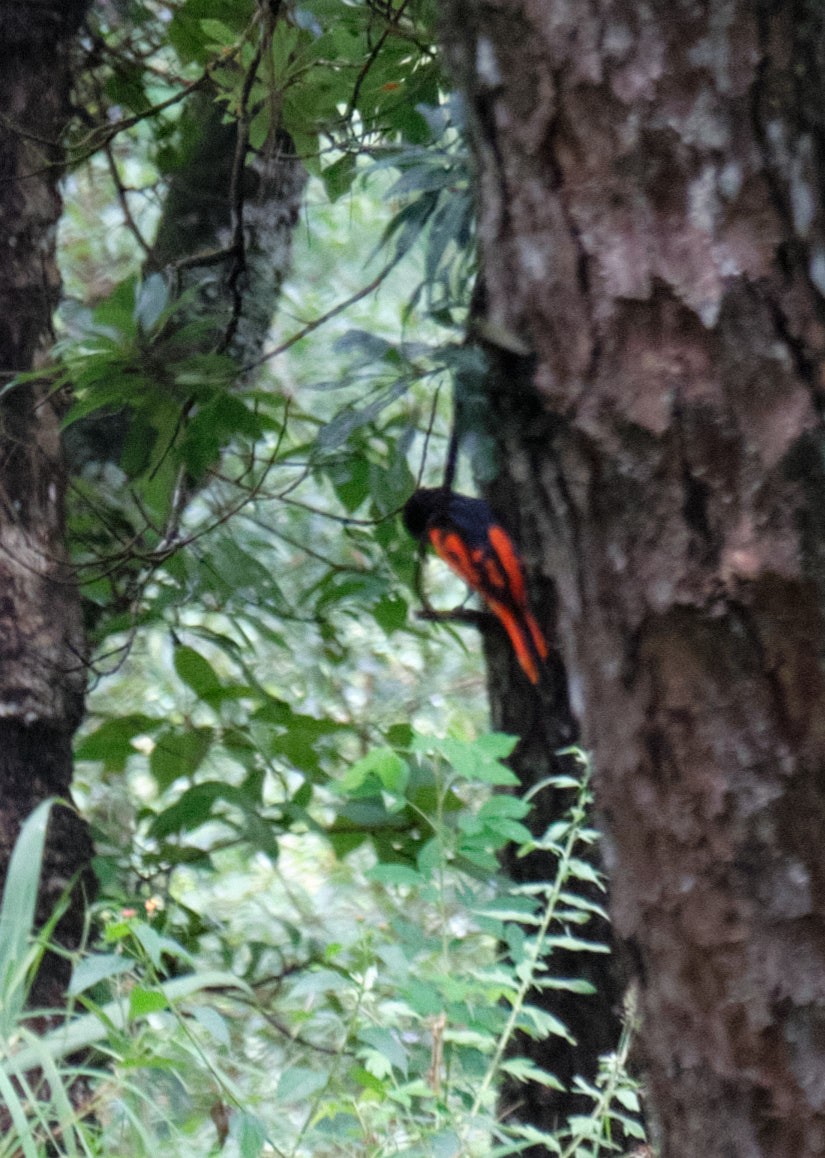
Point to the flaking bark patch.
(654, 231)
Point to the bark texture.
(234, 208)
(225, 238)
(42, 668)
(651, 215)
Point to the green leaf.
(17, 914)
(298, 1084)
(196, 672)
(391, 486)
(90, 971)
(474, 760)
(399, 735)
(214, 425)
(284, 45)
(151, 300)
(213, 1023)
(111, 742)
(568, 984)
(390, 613)
(392, 771)
(631, 1128)
(346, 422)
(193, 809)
(395, 874)
(628, 1098)
(366, 346)
(429, 857)
(218, 32)
(179, 752)
(11, 1099)
(424, 997)
(143, 1001)
(525, 1070)
(584, 871)
(445, 1144)
(260, 127)
(368, 1081)
(501, 805)
(511, 830)
(139, 446)
(156, 945)
(187, 35)
(540, 1023)
(116, 313)
(576, 944)
(496, 745)
(248, 1132)
(125, 86)
(338, 176)
(320, 982)
(351, 478)
(296, 739)
(384, 1042)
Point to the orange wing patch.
(510, 563)
(453, 550)
(497, 575)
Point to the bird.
(464, 532)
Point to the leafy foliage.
(389, 1037)
(177, 416)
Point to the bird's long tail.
(525, 635)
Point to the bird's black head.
(420, 508)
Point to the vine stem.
(617, 1067)
(577, 815)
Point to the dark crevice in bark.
(483, 109)
(805, 466)
(807, 363)
(695, 506)
(698, 494)
(765, 663)
(543, 719)
(766, 105)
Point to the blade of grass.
(23, 1138)
(17, 914)
(91, 1028)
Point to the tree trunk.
(237, 207)
(224, 238)
(42, 667)
(651, 220)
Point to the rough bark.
(225, 238)
(651, 217)
(241, 204)
(42, 669)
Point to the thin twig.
(120, 189)
(365, 291)
(370, 61)
(236, 200)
